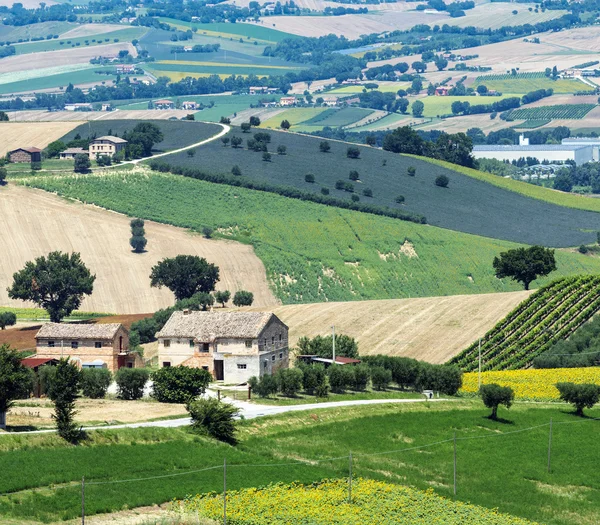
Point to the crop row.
(549, 315)
(561, 111)
(508, 76)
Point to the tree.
(3, 116)
(16, 381)
(131, 382)
(138, 235)
(213, 418)
(144, 135)
(54, 148)
(95, 382)
(281, 149)
(563, 181)
(354, 175)
(324, 147)
(224, 120)
(442, 181)
(185, 275)
(440, 62)
(225, 141)
(63, 392)
(179, 384)
(309, 177)
(399, 199)
(266, 156)
(3, 174)
(353, 152)
(56, 283)
(494, 395)
(482, 90)
(524, 265)
(236, 141)
(380, 377)
(254, 121)
(404, 140)
(285, 124)
(411, 171)
(340, 378)
(580, 395)
(289, 381)
(370, 140)
(417, 108)
(265, 387)
(361, 377)
(236, 171)
(222, 297)
(245, 127)
(82, 163)
(7, 319)
(243, 298)
(345, 346)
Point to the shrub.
(580, 395)
(583, 249)
(266, 156)
(138, 243)
(223, 297)
(236, 171)
(322, 390)
(324, 191)
(95, 382)
(411, 171)
(353, 152)
(367, 192)
(380, 377)
(340, 378)
(289, 381)
(324, 147)
(243, 298)
(309, 177)
(213, 418)
(355, 198)
(7, 319)
(440, 378)
(442, 181)
(354, 175)
(266, 386)
(281, 149)
(131, 382)
(313, 376)
(361, 377)
(399, 199)
(494, 395)
(179, 384)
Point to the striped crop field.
(216, 64)
(563, 111)
(526, 82)
(549, 315)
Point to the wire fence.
(351, 457)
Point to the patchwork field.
(436, 106)
(531, 222)
(497, 15)
(432, 329)
(84, 116)
(122, 277)
(521, 84)
(565, 111)
(21, 134)
(330, 254)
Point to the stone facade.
(25, 155)
(233, 358)
(87, 349)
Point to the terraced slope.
(552, 313)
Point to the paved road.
(247, 410)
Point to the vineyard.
(549, 315)
(562, 111)
(508, 76)
(373, 502)
(525, 82)
(533, 123)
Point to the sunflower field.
(532, 384)
(324, 503)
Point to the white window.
(98, 344)
(167, 343)
(241, 366)
(50, 344)
(74, 344)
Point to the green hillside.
(468, 205)
(312, 252)
(550, 315)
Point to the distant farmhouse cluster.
(232, 346)
(101, 146)
(578, 150)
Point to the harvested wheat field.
(37, 223)
(432, 329)
(22, 135)
(78, 116)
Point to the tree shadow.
(500, 420)
(21, 428)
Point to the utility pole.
(333, 340)
(480, 362)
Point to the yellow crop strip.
(217, 64)
(176, 76)
(532, 384)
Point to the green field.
(219, 69)
(41, 29)
(563, 111)
(500, 465)
(127, 34)
(83, 76)
(436, 106)
(334, 117)
(532, 124)
(35, 314)
(294, 116)
(385, 175)
(328, 254)
(386, 87)
(526, 82)
(391, 121)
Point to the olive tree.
(494, 395)
(579, 395)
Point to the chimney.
(186, 311)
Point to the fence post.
(550, 445)
(350, 477)
(218, 395)
(225, 491)
(455, 463)
(83, 500)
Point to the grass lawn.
(328, 254)
(500, 464)
(532, 222)
(436, 106)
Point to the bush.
(131, 382)
(442, 181)
(411, 171)
(355, 198)
(353, 152)
(354, 175)
(213, 418)
(340, 378)
(324, 191)
(494, 395)
(236, 171)
(580, 395)
(179, 384)
(367, 192)
(313, 376)
(309, 177)
(289, 381)
(583, 249)
(380, 377)
(95, 382)
(439, 378)
(243, 298)
(7, 319)
(399, 199)
(138, 243)
(324, 147)
(45, 377)
(361, 377)
(266, 386)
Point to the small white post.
(550, 445)
(455, 463)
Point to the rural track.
(247, 411)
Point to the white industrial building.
(578, 150)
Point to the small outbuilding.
(30, 154)
(69, 153)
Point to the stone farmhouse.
(107, 145)
(89, 345)
(30, 154)
(232, 346)
(70, 153)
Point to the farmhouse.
(189, 104)
(164, 104)
(330, 101)
(107, 145)
(30, 154)
(70, 153)
(579, 152)
(442, 91)
(88, 345)
(233, 346)
(80, 106)
(125, 69)
(287, 101)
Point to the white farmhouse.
(232, 346)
